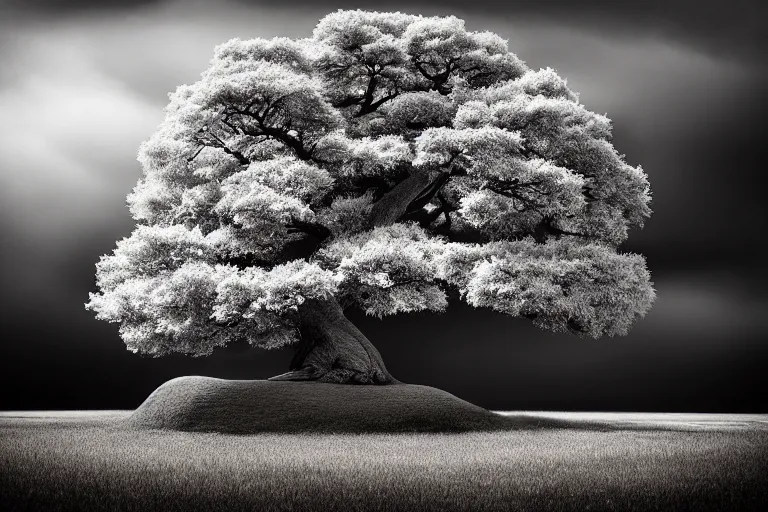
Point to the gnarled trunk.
(332, 349)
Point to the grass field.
(90, 461)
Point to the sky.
(82, 84)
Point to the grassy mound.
(204, 404)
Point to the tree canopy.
(386, 162)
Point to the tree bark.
(332, 349)
(394, 204)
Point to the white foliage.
(417, 111)
(279, 50)
(479, 57)
(350, 27)
(374, 156)
(292, 177)
(388, 269)
(437, 147)
(251, 203)
(149, 251)
(547, 83)
(285, 287)
(473, 114)
(153, 201)
(347, 214)
(365, 157)
(502, 211)
(284, 139)
(167, 312)
(586, 289)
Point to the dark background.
(83, 83)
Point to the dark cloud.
(730, 29)
(703, 158)
(44, 8)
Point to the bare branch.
(277, 133)
(199, 149)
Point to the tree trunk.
(332, 349)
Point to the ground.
(200, 404)
(92, 461)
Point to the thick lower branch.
(394, 204)
(428, 193)
(408, 197)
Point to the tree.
(385, 163)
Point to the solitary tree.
(388, 162)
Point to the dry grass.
(92, 462)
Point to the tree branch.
(446, 208)
(314, 229)
(390, 207)
(376, 104)
(438, 79)
(427, 193)
(366, 101)
(240, 157)
(205, 132)
(545, 228)
(277, 133)
(401, 283)
(513, 194)
(426, 218)
(348, 102)
(199, 149)
(587, 191)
